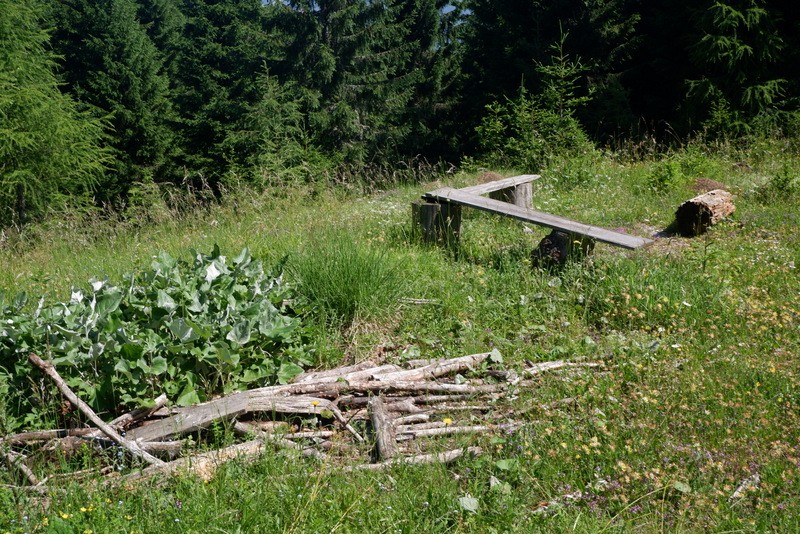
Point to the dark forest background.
(107, 99)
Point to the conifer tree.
(47, 148)
(737, 53)
(223, 51)
(111, 65)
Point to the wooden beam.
(459, 196)
(497, 185)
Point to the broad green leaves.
(189, 330)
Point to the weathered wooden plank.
(497, 185)
(458, 196)
(196, 417)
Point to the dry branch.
(383, 427)
(62, 386)
(399, 404)
(441, 457)
(17, 461)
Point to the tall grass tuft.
(345, 280)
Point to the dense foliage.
(47, 147)
(187, 329)
(213, 93)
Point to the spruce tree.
(737, 53)
(223, 52)
(111, 65)
(47, 148)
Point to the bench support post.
(520, 195)
(435, 222)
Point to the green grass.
(699, 391)
(344, 280)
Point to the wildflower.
(315, 403)
(447, 421)
(88, 531)
(45, 521)
(64, 515)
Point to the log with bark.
(696, 215)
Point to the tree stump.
(696, 215)
(558, 247)
(520, 195)
(436, 222)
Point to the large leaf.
(183, 331)
(108, 302)
(240, 333)
(165, 302)
(287, 371)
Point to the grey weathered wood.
(457, 196)
(435, 370)
(521, 195)
(49, 369)
(423, 220)
(433, 222)
(194, 418)
(497, 185)
(439, 457)
(383, 427)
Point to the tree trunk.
(696, 215)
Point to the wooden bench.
(438, 216)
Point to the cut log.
(696, 215)
(559, 247)
(435, 222)
(383, 427)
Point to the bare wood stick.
(412, 419)
(442, 431)
(441, 457)
(62, 386)
(45, 435)
(128, 419)
(359, 374)
(243, 428)
(408, 300)
(405, 428)
(340, 417)
(435, 370)
(422, 362)
(541, 367)
(433, 399)
(316, 376)
(310, 434)
(204, 465)
(17, 461)
(383, 428)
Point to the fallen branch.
(17, 461)
(62, 386)
(383, 427)
(441, 457)
(45, 435)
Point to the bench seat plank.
(497, 185)
(465, 198)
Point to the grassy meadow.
(691, 423)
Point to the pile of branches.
(371, 416)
